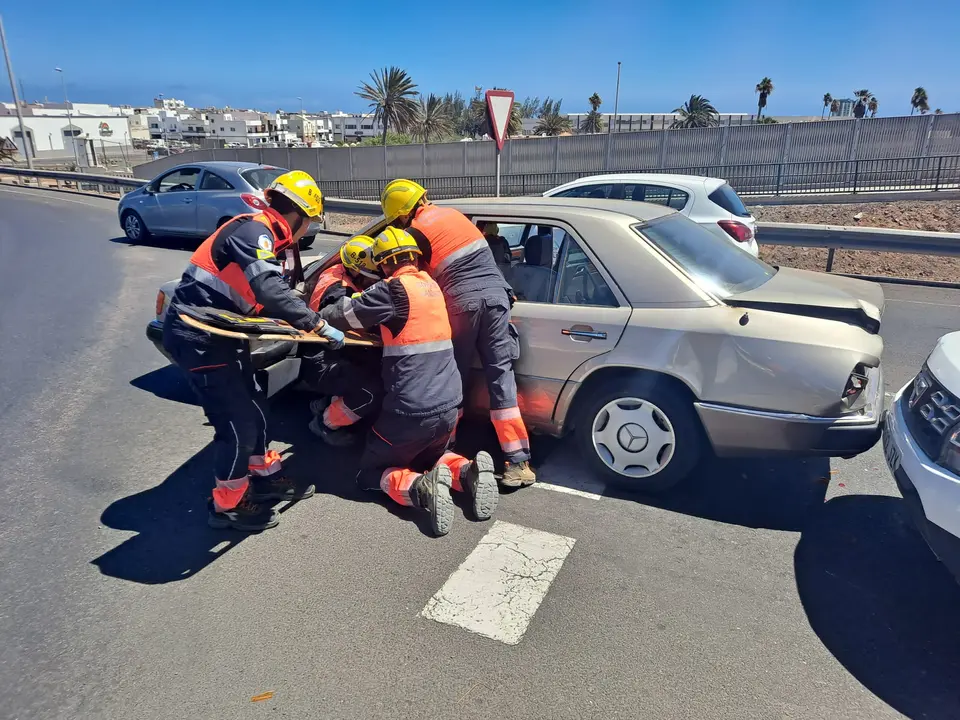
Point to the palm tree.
(938, 111)
(924, 108)
(392, 97)
(827, 99)
(919, 98)
(872, 106)
(433, 121)
(593, 122)
(860, 108)
(765, 88)
(834, 107)
(697, 112)
(552, 125)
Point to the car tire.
(650, 413)
(133, 227)
(306, 241)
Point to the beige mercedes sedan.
(652, 340)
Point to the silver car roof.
(546, 206)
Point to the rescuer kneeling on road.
(407, 453)
(236, 269)
(457, 256)
(350, 377)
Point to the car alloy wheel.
(633, 437)
(132, 227)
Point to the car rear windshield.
(727, 198)
(715, 264)
(261, 178)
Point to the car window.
(179, 180)
(513, 234)
(727, 198)
(260, 178)
(214, 182)
(714, 263)
(580, 281)
(657, 194)
(588, 191)
(532, 259)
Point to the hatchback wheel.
(641, 435)
(133, 227)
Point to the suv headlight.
(950, 454)
(920, 385)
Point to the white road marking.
(20, 191)
(564, 472)
(922, 302)
(498, 588)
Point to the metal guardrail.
(832, 237)
(81, 182)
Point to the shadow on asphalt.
(880, 601)
(774, 494)
(167, 383)
(162, 242)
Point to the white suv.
(711, 202)
(921, 443)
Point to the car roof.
(546, 206)
(709, 183)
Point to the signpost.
(499, 106)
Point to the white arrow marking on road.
(498, 588)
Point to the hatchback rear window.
(716, 264)
(261, 178)
(727, 198)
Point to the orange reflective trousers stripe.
(338, 415)
(511, 431)
(396, 483)
(457, 464)
(263, 465)
(228, 493)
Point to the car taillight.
(161, 301)
(253, 201)
(737, 230)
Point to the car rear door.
(177, 198)
(582, 316)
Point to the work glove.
(328, 331)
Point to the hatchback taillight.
(737, 230)
(253, 201)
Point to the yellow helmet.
(391, 242)
(356, 254)
(400, 197)
(301, 189)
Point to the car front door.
(177, 199)
(216, 199)
(582, 316)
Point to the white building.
(51, 134)
(353, 127)
(245, 127)
(162, 103)
(303, 128)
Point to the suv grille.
(935, 411)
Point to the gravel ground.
(933, 215)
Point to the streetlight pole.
(66, 102)
(16, 100)
(616, 100)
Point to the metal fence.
(837, 141)
(850, 176)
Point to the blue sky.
(256, 54)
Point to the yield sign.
(499, 105)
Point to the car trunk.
(831, 297)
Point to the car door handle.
(188, 200)
(584, 331)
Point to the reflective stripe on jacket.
(419, 371)
(232, 281)
(455, 252)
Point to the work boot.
(431, 491)
(345, 437)
(518, 475)
(247, 515)
(277, 487)
(479, 483)
(318, 405)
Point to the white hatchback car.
(711, 202)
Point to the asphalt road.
(761, 589)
